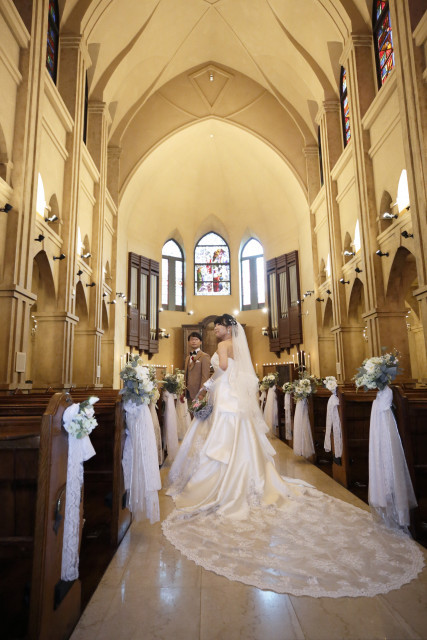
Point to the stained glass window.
(172, 277)
(52, 39)
(345, 110)
(252, 273)
(212, 266)
(383, 40)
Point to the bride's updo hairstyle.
(226, 320)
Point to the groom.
(197, 366)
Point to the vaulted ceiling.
(264, 66)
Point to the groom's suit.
(197, 370)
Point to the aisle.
(151, 592)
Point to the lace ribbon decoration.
(270, 411)
(171, 425)
(140, 464)
(303, 439)
(390, 488)
(333, 423)
(79, 450)
(157, 431)
(183, 418)
(288, 417)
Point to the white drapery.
(333, 423)
(140, 464)
(390, 487)
(183, 418)
(288, 416)
(271, 414)
(303, 439)
(79, 450)
(157, 431)
(170, 425)
(262, 398)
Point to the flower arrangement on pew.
(174, 382)
(305, 386)
(331, 383)
(268, 381)
(79, 420)
(377, 372)
(288, 387)
(139, 386)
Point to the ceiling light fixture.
(7, 207)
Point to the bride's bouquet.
(304, 387)
(201, 409)
(139, 386)
(268, 381)
(174, 382)
(377, 372)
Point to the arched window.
(212, 266)
(383, 40)
(52, 39)
(85, 111)
(172, 276)
(319, 145)
(252, 273)
(345, 110)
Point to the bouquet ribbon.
(141, 464)
(333, 423)
(79, 450)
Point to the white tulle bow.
(288, 416)
(170, 425)
(333, 423)
(270, 411)
(303, 439)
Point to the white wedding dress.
(238, 517)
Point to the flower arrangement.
(330, 383)
(377, 372)
(78, 419)
(174, 382)
(269, 381)
(201, 408)
(138, 387)
(288, 387)
(305, 386)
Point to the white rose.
(70, 413)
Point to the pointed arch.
(252, 269)
(172, 276)
(212, 266)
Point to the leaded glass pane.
(246, 283)
(252, 248)
(178, 283)
(165, 280)
(260, 280)
(52, 39)
(380, 7)
(384, 40)
(170, 248)
(212, 266)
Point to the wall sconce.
(211, 77)
(357, 270)
(344, 281)
(51, 219)
(328, 292)
(104, 295)
(112, 302)
(119, 294)
(7, 207)
(264, 331)
(92, 284)
(308, 293)
(190, 313)
(61, 257)
(320, 300)
(389, 216)
(163, 333)
(407, 235)
(349, 253)
(39, 238)
(264, 309)
(79, 272)
(86, 255)
(381, 254)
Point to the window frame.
(204, 263)
(343, 99)
(172, 260)
(51, 24)
(377, 24)
(254, 304)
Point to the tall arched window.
(212, 266)
(319, 146)
(172, 277)
(252, 273)
(52, 39)
(345, 110)
(86, 107)
(383, 40)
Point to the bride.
(236, 516)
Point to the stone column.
(15, 288)
(411, 69)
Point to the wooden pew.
(31, 550)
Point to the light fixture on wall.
(407, 235)
(264, 309)
(163, 333)
(51, 218)
(308, 293)
(86, 255)
(61, 257)
(92, 284)
(349, 253)
(357, 270)
(79, 272)
(344, 281)
(264, 331)
(39, 238)
(389, 216)
(211, 76)
(328, 291)
(104, 295)
(7, 207)
(382, 254)
(320, 300)
(190, 313)
(111, 302)
(119, 294)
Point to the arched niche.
(328, 316)
(54, 213)
(355, 344)
(83, 341)
(4, 159)
(385, 207)
(348, 246)
(356, 304)
(327, 355)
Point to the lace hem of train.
(289, 551)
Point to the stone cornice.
(355, 40)
(71, 41)
(311, 150)
(97, 107)
(327, 106)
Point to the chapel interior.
(166, 161)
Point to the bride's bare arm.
(223, 355)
